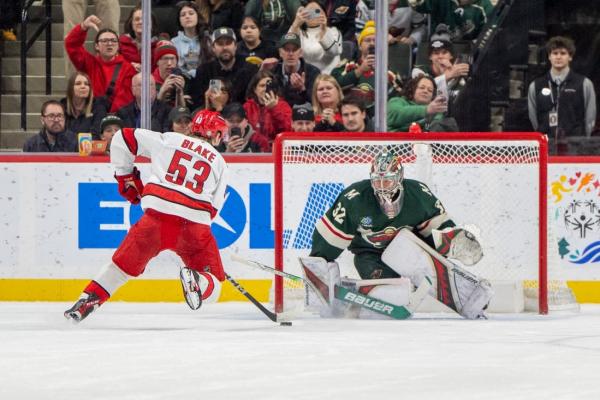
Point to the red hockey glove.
(131, 186)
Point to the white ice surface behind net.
(230, 351)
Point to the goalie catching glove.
(131, 186)
(458, 243)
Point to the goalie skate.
(86, 304)
(191, 287)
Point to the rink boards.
(62, 218)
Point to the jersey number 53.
(178, 171)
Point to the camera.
(215, 85)
(235, 132)
(372, 49)
(177, 71)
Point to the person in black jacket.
(562, 102)
(131, 114)
(52, 137)
(226, 65)
(293, 73)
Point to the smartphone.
(177, 71)
(372, 49)
(215, 85)
(314, 13)
(271, 86)
(235, 133)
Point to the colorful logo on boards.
(576, 199)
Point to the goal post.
(496, 181)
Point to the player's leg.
(454, 286)
(142, 242)
(202, 277)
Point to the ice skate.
(84, 307)
(190, 283)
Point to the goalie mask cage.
(496, 182)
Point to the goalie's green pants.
(368, 264)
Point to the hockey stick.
(271, 315)
(354, 297)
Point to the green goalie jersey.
(355, 221)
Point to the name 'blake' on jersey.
(355, 221)
(187, 176)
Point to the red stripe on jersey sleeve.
(334, 230)
(173, 196)
(130, 140)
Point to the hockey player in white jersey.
(184, 192)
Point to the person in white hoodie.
(191, 42)
(321, 44)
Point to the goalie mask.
(209, 125)
(386, 180)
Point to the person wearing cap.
(109, 72)
(226, 65)
(293, 73)
(169, 79)
(357, 77)
(108, 127)
(303, 118)
(242, 137)
(180, 119)
(442, 66)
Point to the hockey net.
(495, 182)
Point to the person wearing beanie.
(303, 118)
(357, 77)
(169, 79)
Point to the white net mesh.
(492, 184)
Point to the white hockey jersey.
(187, 178)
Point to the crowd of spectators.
(268, 66)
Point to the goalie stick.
(354, 297)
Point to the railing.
(46, 24)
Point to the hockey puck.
(285, 323)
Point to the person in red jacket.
(116, 86)
(267, 112)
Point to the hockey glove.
(459, 244)
(131, 186)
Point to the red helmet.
(208, 123)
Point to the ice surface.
(231, 351)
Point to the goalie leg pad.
(322, 277)
(397, 294)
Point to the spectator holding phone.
(242, 137)
(357, 77)
(326, 99)
(321, 44)
(226, 65)
(420, 105)
(217, 95)
(169, 79)
(267, 112)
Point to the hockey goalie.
(403, 243)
